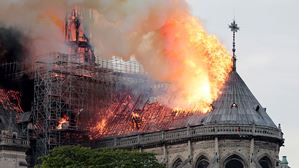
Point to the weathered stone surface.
(218, 157)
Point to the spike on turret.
(234, 28)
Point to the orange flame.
(199, 64)
(100, 127)
(135, 115)
(198, 68)
(63, 122)
(54, 18)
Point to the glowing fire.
(100, 127)
(63, 122)
(199, 67)
(10, 100)
(135, 115)
(200, 64)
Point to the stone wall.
(213, 145)
(217, 152)
(12, 159)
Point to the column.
(216, 157)
(251, 158)
(165, 155)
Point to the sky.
(267, 53)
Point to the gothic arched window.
(202, 162)
(265, 162)
(177, 163)
(234, 161)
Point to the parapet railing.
(13, 141)
(189, 132)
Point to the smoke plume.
(161, 34)
(118, 29)
(12, 45)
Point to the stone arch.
(177, 162)
(202, 161)
(234, 160)
(265, 161)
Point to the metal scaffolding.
(74, 91)
(11, 70)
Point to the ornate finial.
(234, 28)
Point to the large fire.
(200, 64)
(198, 68)
(122, 117)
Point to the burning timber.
(92, 101)
(76, 98)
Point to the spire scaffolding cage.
(73, 91)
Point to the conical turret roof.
(237, 105)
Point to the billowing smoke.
(13, 54)
(33, 18)
(119, 26)
(12, 45)
(161, 34)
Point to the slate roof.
(237, 105)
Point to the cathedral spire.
(234, 28)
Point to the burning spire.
(234, 28)
(77, 38)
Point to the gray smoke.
(124, 28)
(12, 45)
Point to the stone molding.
(171, 136)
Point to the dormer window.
(212, 107)
(234, 105)
(257, 108)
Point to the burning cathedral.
(236, 133)
(200, 115)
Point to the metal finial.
(234, 28)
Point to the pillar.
(215, 161)
(252, 157)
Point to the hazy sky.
(268, 55)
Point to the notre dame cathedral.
(237, 133)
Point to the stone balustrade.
(13, 141)
(187, 133)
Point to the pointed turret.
(236, 104)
